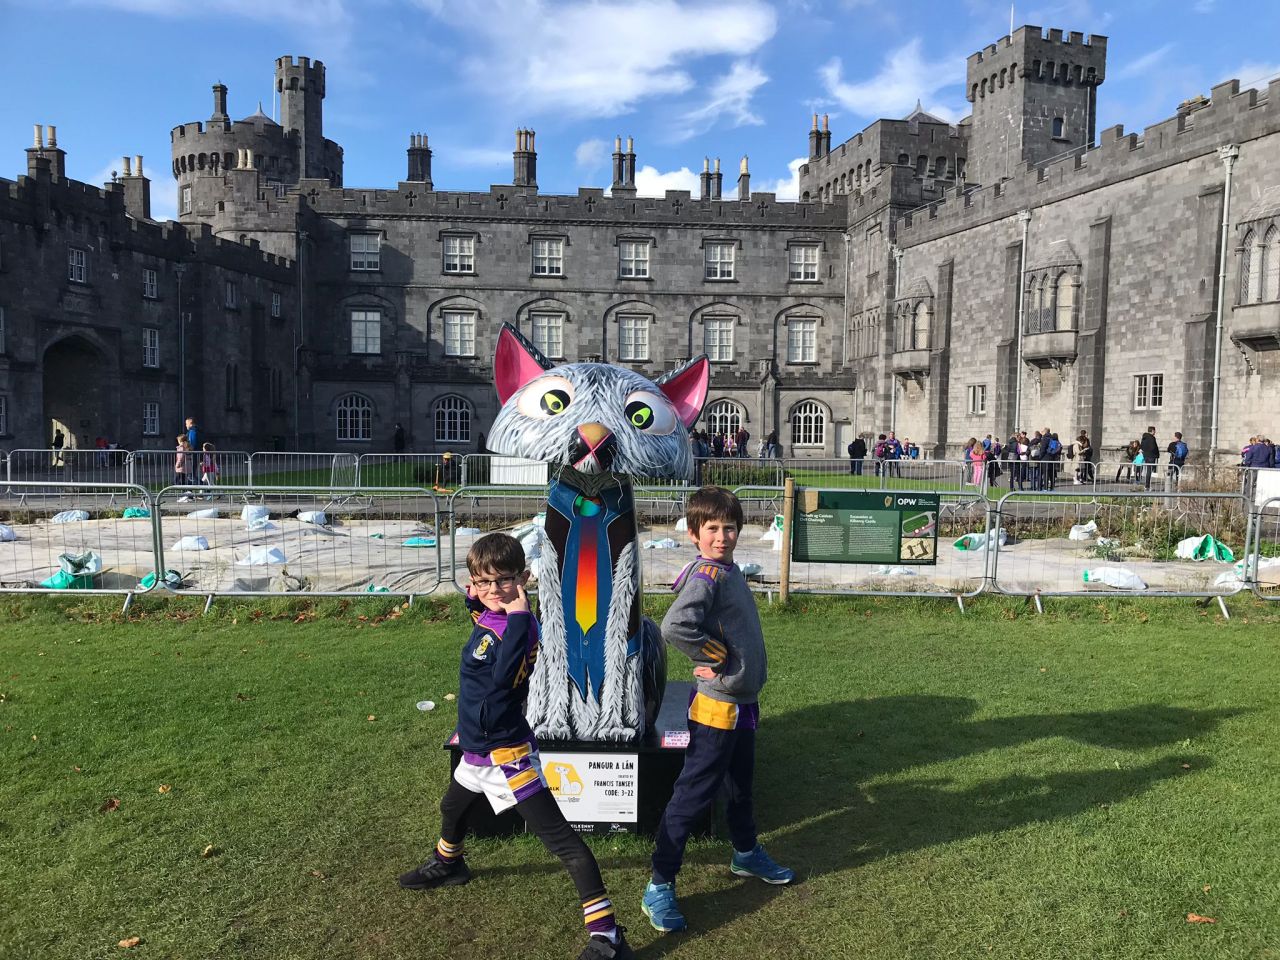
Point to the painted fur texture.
(601, 672)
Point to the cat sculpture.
(601, 672)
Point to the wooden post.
(788, 511)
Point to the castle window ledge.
(1048, 349)
(910, 361)
(1257, 325)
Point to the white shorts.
(503, 784)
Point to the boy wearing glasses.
(499, 753)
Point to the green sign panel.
(836, 526)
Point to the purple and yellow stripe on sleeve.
(714, 650)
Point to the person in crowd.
(717, 445)
(740, 441)
(893, 455)
(1178, 451)
(878, 453)
(1084, 458)
(1150, 455)
(978, 462)
(774, 451)
(397, 439)
(857, 454)
(1128, 469)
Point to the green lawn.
(993, 784)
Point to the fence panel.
(442, 472)
(155, 469)
(1119, 541)
(69, 466)
(83, 537)
(320, 540)
(872, 474)
(287, 468)
(1264, 557)
(956, 573)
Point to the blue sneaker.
(759, 864)
(659, 905)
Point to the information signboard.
(597, 792)
(840, 526)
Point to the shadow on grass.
(810, 764)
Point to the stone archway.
(81, 393)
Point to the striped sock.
(447, 852)
(597, 914)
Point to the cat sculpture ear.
(686, 388)
(516, 362)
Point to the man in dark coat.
(1150, 455)
(857, 453)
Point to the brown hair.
(712, 503)
(497, 553)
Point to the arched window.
(355, 418)
(920, 328)
(808, 424)
(1058, 126)
(723, 418)
(940, 167)
(1066, 302)
(1257, 268)
(1246, 265)
(453, 420)
(1270, 266)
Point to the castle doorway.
(81, 394)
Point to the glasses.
(502, 583)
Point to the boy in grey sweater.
(715, 623)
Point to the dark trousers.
(714, 757)
(548, 824)
(855, 467)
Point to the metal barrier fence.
(873, 474)
(319, 540)
(92, 538)
(1263, 571)
(157, 469)
(1070, 544)
(68, 466)
(273, 468)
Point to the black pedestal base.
(659, 759)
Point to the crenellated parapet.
(589, 205)
(1229, 116)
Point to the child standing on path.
(500, 755)
(715, 623)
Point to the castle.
(945, 281)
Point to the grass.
(993, 784)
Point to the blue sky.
(686, 78)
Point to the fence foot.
(128, 602)
(208, 602)
(769, 594)
(960, 602)
(1039, 605)
(1222, 605)
(411, 599)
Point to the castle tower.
(1034, 98)
(300, 84)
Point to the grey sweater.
(714, 621)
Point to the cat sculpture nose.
(591, 451)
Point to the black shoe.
(598, 948)
(436, 873)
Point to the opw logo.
(563, 779)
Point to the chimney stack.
(619, 163)
(815, 140)
(525, 160)
(744, 181)
(826, 137)
(717, 178)
(631, 163)
(704, 180)
(419, 160)
(219, 105)
(137, 189)
(45, 146)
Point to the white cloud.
(650, 182)
(904, 77)
(306, 13)
(1253, 74)
(1204, 6)
(788, 188)
(591, 154)
(730, 96)
(472, 156)
(598, 59)
(1144, 63)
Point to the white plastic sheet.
(261, 556)
(191, 543)
(70, 516)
